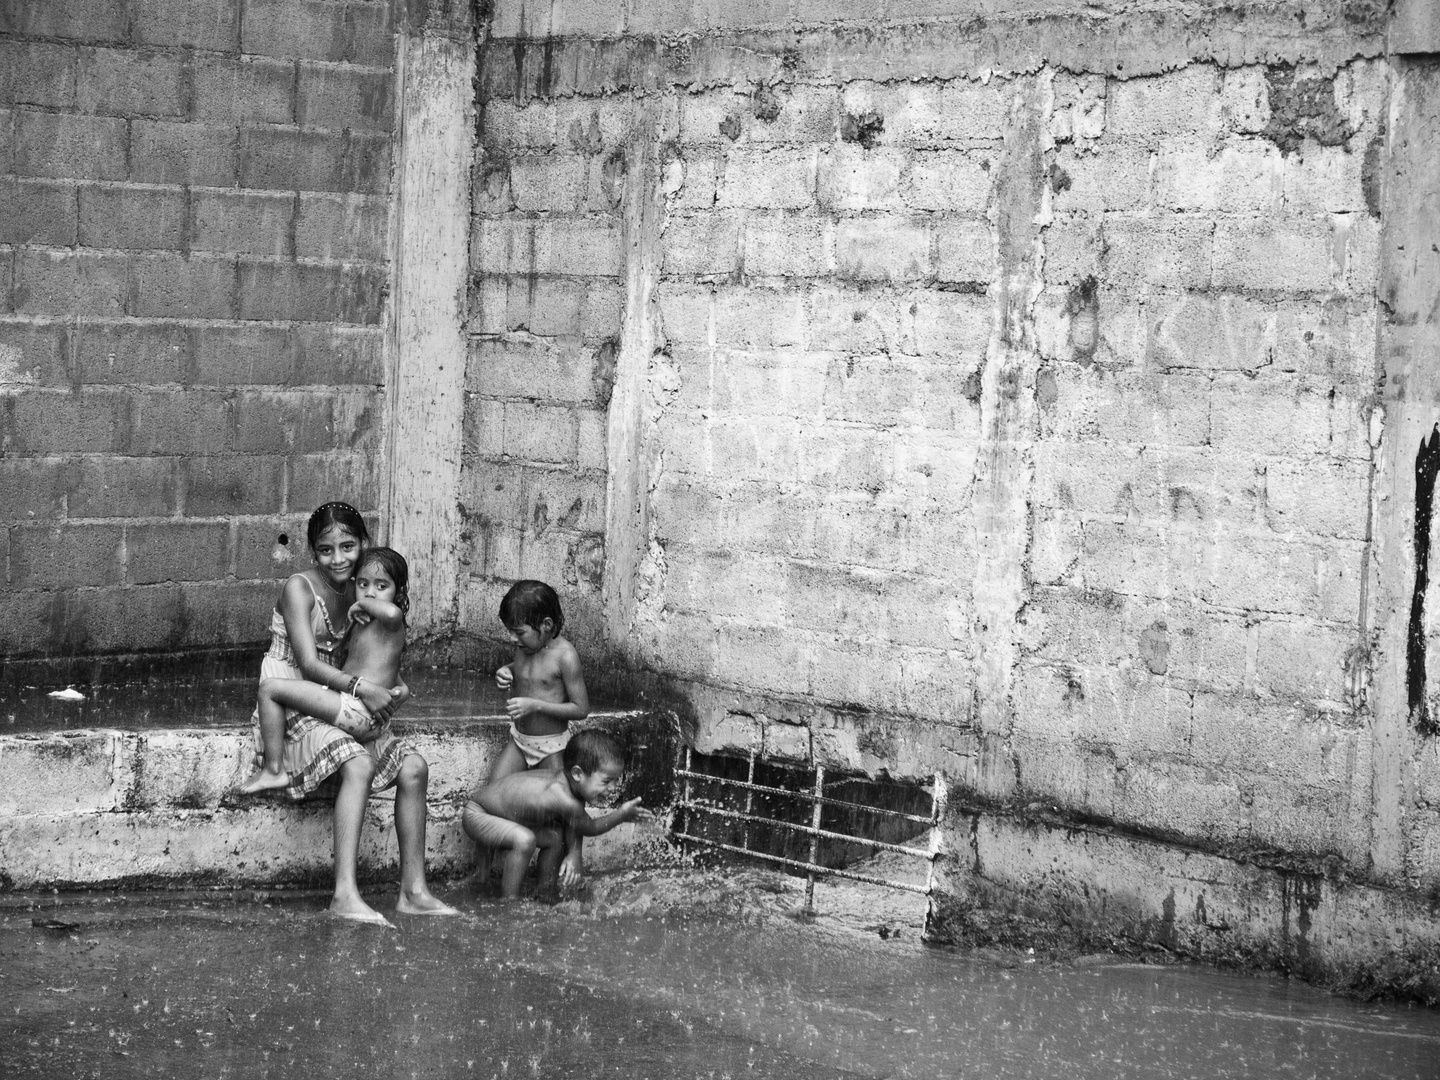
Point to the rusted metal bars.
(828, 871)
(920, 819)
(815, 837)
(749, 801)
(818, 800)
(810, 830)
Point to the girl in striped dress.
(308, 632)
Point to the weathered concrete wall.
(982, 392)
(194, 203)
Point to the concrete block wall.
(1193, 472)
(1201, 477)
(544, 322)
(1012, 406)
(194, 211)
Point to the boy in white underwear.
(547, 690)
(546, 693)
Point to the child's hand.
(504, 677)
(633, 811)
(572, 870)
(373, 696)
(398, 697)
(521, 707)
(358, 615)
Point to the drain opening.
(804, 821)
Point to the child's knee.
(267, 688)
(359, 767)
(414, 770)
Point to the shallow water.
(664, 975)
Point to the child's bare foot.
(356, 910)
(261, 780)
(422, 903)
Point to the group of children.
(320, 724)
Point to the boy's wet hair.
(591, 749)
(337, 513)
(529, 603)
(394, 564)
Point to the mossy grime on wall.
(1302, 106)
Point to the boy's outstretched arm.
(585, 825)
(572, 867)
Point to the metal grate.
(702, 810)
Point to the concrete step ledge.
(1340, 933)
(105, 807)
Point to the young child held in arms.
(378, 614)
(523, 812)
(547, 691)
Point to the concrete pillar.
(630, 452)
(430, 229)
(1408, 411)
(1020, 207)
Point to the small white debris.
(68, 694)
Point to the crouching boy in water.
(523, 812)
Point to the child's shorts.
(490, 831)
(536, 748)
(355, 719)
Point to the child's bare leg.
(474, 819)
(513, 844)
(355, 777)
(515, 862)
(271, 775)
(415, 895)
(551, 843)
(509, 761)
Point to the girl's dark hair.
(590, 749)
(337, 513)
(394, 564)
(529, 603)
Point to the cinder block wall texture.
(951, 388)
(193, 273)
(1025, 398)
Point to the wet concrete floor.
(661, 974)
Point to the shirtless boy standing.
(544, 681)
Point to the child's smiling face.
(373, 583)
(336, 553)
(597, 788)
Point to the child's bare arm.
(585, 825)
(385, 613)
(296, 603)
(574, 680)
